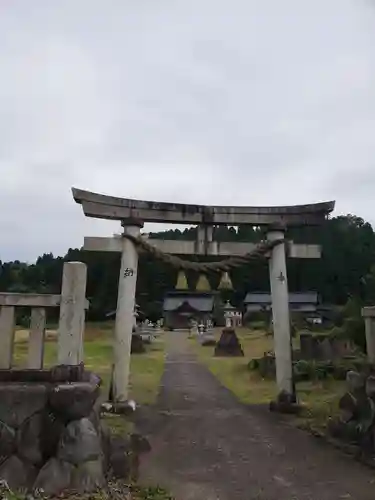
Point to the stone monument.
(228, 345)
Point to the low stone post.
(125, 314)
(368, 313)
(36, 338)
(72, 314)
(280, 314)
(7, 323)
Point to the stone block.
(105, 439)
(73, 401)
(318, 347)
(19, 401)
(79, 442)
(29, 439)
(120, 458)
(94, 418)
(92, 378)
(67, 373)
(139, 444)
(355, 381)
(60, 373)
(325, 349)
(38, 437)
(53, 428)
(348, 406)
(17, 474)
(7, 441)
(88, 476)
(308, 346)
(342, 348)
(54, 478)
(267, 365)
(137, 346)
(370, 387)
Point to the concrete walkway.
(210, 447)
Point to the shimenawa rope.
(260, 250)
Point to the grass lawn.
(319, 398)
(145, 369)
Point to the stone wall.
(51, 435)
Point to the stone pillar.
(201, 241)
(72, 314)
(212, 246)
(36, 338)
(125, 314)
(368, 314)
(7, 323)
(280, 314)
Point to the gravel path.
(208, 446)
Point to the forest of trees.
(347, 268)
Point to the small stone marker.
(137, 346)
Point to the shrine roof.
(294, 298)
(189, 303)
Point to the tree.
(347, 268)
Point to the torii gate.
(133, 214)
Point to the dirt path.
(210, 447)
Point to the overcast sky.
(204, 101)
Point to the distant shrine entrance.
(134, 213)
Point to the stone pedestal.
(51, 435)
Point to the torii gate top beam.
(109, 207)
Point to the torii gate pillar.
(280, 314)
(124, 313)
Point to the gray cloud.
(207, 101)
